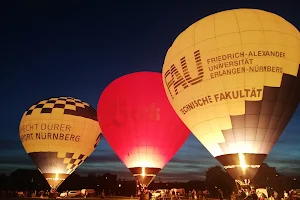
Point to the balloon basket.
(243, 185)
(144, 196)
(53, 195)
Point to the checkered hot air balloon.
(59, 134)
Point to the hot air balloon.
(140, 125)
(233, 79)
(59, 134)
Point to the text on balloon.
(176, 82)
(254, 93)
(44, 126)
(49, 136)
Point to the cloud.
(285, 153)
(103, 157)
(284, 165)
(9, 168)
(11, 160)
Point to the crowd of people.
(253, 195)
(11, 193)
(250, 194)
(177, 195)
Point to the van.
(89, 192)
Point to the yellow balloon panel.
(59, 134)
(232, 79)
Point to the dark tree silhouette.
(92, 174)
(268, 177)
(216, 177)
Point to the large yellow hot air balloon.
(233, 78)
(59, 134)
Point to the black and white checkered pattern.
(73, 161)
(70, 105)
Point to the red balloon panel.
(138, 121)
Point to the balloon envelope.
(233, 78)
(59, 134)
(139, 123)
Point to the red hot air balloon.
(140, 125)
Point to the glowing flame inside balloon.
(56, 176)
(243, 164)
(143, 171)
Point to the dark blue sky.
(76, 48)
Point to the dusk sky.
(76, 48)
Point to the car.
(89, 192)
(262, 191)
(63, 194)
(20, 194)
(72, 193)
(297, 195)
(157, 193)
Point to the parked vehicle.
(262, 191)
(157, 193)
(72, 193)
(88, 192)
